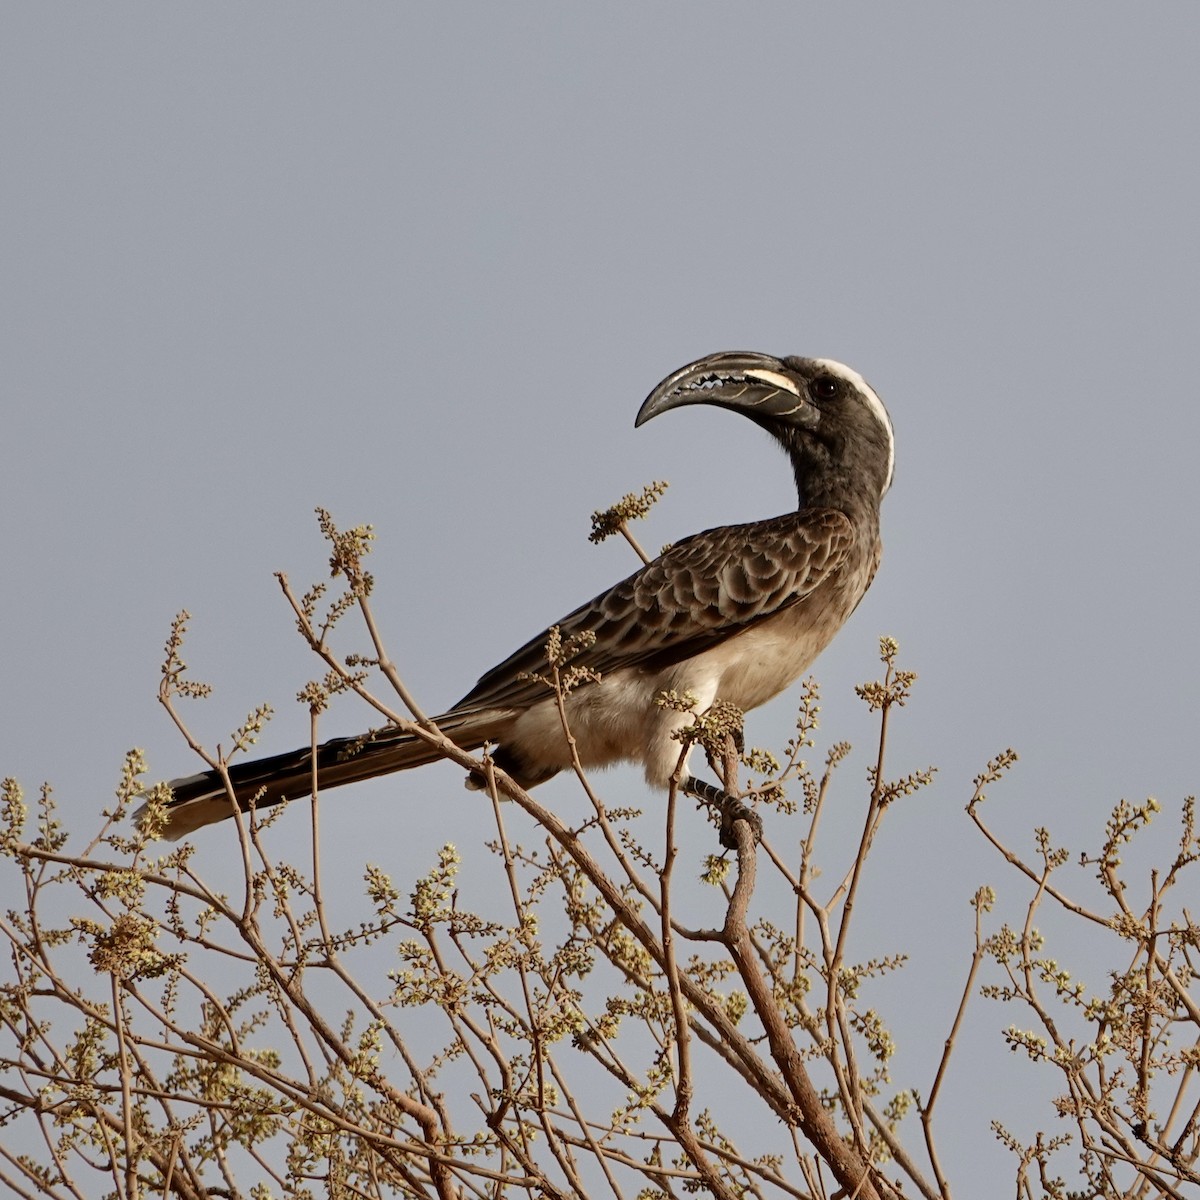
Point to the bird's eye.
(825, 387)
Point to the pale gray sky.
(420, 264)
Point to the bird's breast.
(754, 666)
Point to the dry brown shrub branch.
(560, 1008)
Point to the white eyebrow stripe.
(873, 403)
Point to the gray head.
(826, 416)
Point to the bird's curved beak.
(756, 385)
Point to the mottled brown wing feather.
(703, 590)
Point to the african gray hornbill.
(735, 613)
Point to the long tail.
(200, 800)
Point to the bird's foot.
(731, 810)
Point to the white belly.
(619, 720)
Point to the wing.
(703, 590)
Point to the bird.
(735, 613)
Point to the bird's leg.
(724, 754)
(730, 807)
